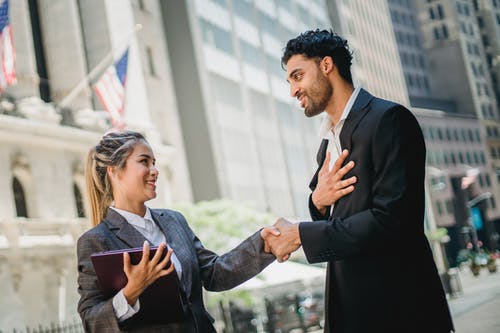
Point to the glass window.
(268, 24)
(19, 198)
(259, 103)
(217, 37)
(439, 207)
(436, 33)
(80, 210)
(440, 11)
(244, 9)
(445, 31)
(151, 64)
(226, 91)
(251, 54)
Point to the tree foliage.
(223, 224)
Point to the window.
(445, 31)
(493, 203)
(480, 22)
(488, 180)
(436, 33)
(151, 64)
(466, 10)
(251, 54)
(439, 207)
(19, 198)
(431, 13)
(80, 210)
(259, 104)
(440, 11)
(226, 91)
(217, 37)
(244, 9)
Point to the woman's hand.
(146, 272)
(331, 187)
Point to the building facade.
(245, 138)
(47, 127)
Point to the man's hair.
(318, 44)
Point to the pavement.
(477, 308)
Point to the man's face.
(308, 84)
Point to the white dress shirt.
(150, 230)
(332, 132)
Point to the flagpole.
(93, 73)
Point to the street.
(477, 308)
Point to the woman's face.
(136, 182)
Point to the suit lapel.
(320, 158)
(171, 228)
(358, 111)
(123, 230)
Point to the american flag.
(111, 90)
(7, 55)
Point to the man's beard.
(318, 96)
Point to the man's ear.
(326, 65)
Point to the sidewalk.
(477, 309)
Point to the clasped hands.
(283, 237)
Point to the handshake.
(281, 239)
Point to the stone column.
(53, 174)
(7, 204)
(27, 75)
(65, 56)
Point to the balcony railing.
(31, 232)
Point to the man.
(381, 276)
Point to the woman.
(121, 176)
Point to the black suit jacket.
(381, 275)
(200, 267)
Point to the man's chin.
(311, 113)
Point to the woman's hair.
(113, 150)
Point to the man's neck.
(341, 94)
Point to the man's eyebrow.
(292, 73)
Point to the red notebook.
(160, 303)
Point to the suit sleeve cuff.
(315, 213)
(123, 310)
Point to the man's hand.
(286, 242)
(330, 185)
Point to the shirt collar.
(326, 124)
(135, 219)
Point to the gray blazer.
(200, 267)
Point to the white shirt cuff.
(123, 310)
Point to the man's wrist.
(320, 208)
(298, 242)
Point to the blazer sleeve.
(97, 312)
(315, 213)
(396, 137)
(226, 271)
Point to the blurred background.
(202, 80)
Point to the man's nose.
(293, 90)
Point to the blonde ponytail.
(112, 150)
